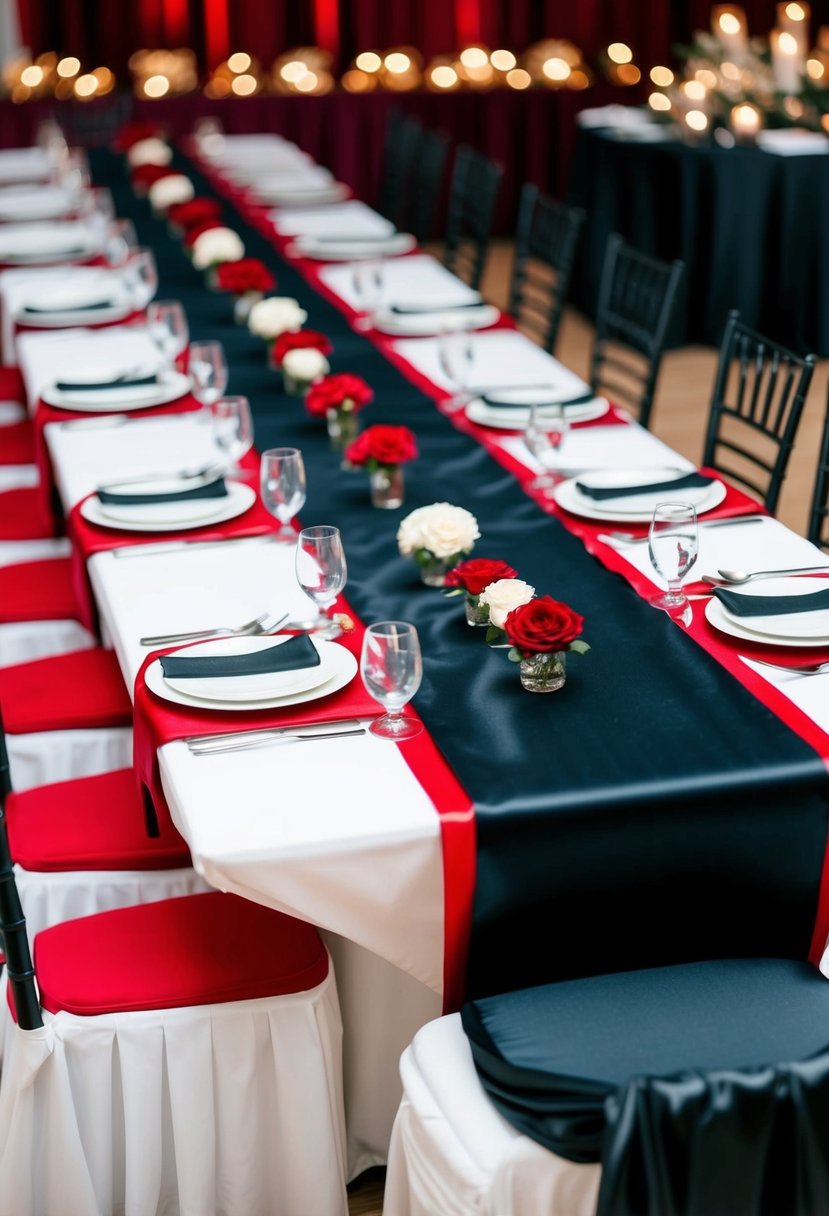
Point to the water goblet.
(283, 487)
(391, 668)
(673, 545)
(232, 430)
(140, 272)
(544, 435)
(456, 356)
(207, 368)
(321, 569)
(167, 323)
(368, 279)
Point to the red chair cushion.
(38, 591)
(196, 950)
(17, 443)
(91, 823)
(74, 691)
(23, 515)
(11, 384)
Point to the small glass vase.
(477, 614)
(244, 303)
(544, 672)
(387, 487)
(342, 428)
(434, 570)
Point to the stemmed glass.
(456, 356)
(544, 435)
(321, 569)
(207, 368)
(368, 279)
(673, 544)
(392, 668)
(232, 430)
(167, 322)
(140, 272)
(283, 487)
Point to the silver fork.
(627, 538)
(264, 623)
(814, 669)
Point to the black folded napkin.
(100, 386)
(298, 653)
(49, 308)
(502, 404)
(414, 310)
(772, 605)
(691, 481)
(212, 489)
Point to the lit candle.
(729, 26)
(746, 121)
(787, 61)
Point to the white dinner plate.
(638, 509)
(307, 196)
(802, 627)
(62, 318)
(171, 517)
(421, 324)
(716, 615)
(353, 249)
(259, 687)
(113, 401)
(343, 672)
(515, 419)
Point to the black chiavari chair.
(545, 250)
(472, 197)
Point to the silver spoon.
(738, 577)
(815, 669)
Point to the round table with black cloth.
(751, 227)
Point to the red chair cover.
(11, 384)
(23, 515)
(39, 591)
(81, 689)
(17, 443)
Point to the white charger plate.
(173, 386)
(418, 325)
(516, 419)
(306, 196)
(801, 628)
(568, 496)
(240, 498)
(343, 672)
(353, 250)
(254, 687)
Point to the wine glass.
(207, 368)
(456, 356)
(282, 483)
(673, 544)
(368, 280)
(321, 569)
(167, 322)
(140, 272)
(232, 430)
(391, 668)
(544, 435)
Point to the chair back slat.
(545, 249)
(400, 147)
(472, 197)
(760, 387)
(637, 297)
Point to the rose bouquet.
(437, 537)
(275, 315)
(134, 132)
(214, 246)
(338, 399)
(149, 151)
(539, 633)
(301, 357)
(470, 578)
(248, 280)
(382, 450)
(145, 176)
(168, 191)
(184, 216)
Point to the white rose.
(305, 363)
(504, 595)
(441, 528)
(216, 245)
(170, 190)
(150, 152)
(275, 315)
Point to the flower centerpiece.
(338, 399)
(134, 132)
(437, 537)
(470, 579)
(167, 191)
(273, 316)
(214, 246)
(248, 280)
(149, 151)
(195, 230)
(298, 374)
(183, 216)
(383, 450)
(145, 176)
(540, 632)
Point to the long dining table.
(670, 803)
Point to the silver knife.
(175, 546)
(210, 744)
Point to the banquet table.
(669, 804)
(748, 223)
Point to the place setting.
(630, 495)
(94, 389)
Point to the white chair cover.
(452, 1154)
(233, 1109)
(44, 757)
(21, 641)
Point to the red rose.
(192, 234)
(478, 573)
(542, 625)
(133, 132)
(343, 391)
(144, 176)
(248, 274)
(303, 339)
(382, 445)
(195, 211)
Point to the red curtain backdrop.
(106, 32)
